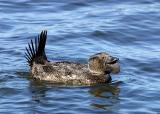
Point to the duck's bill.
(113, 60)
(115, 68)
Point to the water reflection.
(38, 91)
(36, 88)
(50, 96)
(105, 96)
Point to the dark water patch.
(74, 5)
(5, 27)
(98, 33)
(8, 91)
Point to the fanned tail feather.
(35, 52)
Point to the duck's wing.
(35, 52)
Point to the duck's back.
(65, 72)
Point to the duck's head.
(103, 63)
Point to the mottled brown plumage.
(97, 70)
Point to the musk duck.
(96, 71)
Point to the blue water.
(129, 30)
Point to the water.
(77, 29)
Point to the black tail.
(35, 52)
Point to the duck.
(96, 71)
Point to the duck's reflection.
(38, 89)
(105, 96)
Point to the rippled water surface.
(77, 29)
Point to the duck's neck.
(95, 72)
